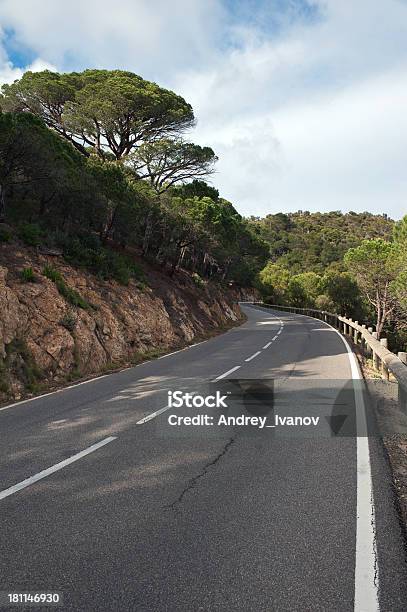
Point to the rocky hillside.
(59, 324)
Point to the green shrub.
(5, 234)
(27, 275)
(138, 273)
(4, 382)
(71, 296)
(20, 360)
(324, 302)
(31, 234)
(199, 282)
(69, 321)
(87, 251)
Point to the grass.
(20, 360)
(52, 274)
(27, 275)
(153, 353)
(71, 295)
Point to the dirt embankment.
(47, 340)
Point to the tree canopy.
(372, 265)
(305, 242)
(167, 161)
(108, 110)
(86, 205)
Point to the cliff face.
(46, 341)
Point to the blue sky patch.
(272, 15)
(19, 55)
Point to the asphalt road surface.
(124, 511)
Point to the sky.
(303, 101)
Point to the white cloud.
(144, 36)
(8, 73)
(311, 117)
(313, 120)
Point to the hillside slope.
(46, 340)
(305, 241)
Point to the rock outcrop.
(45, 341)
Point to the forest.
(97, 165)
(353, 264)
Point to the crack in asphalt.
(191, 484)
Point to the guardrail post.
(376, 360)
(356, 333)
(385, 371)
(368, 349)
(363, 341)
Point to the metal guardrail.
(384, 361)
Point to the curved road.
(127, 512)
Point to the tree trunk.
(147, 233)
(379, 322)
(111, 217)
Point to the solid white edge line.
(175, 352)
(366, 570)
(38, 397)
(89, 380)
(95, 378)
(227, 373)
(253, 356)
(266, 346)
(54, 468)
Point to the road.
(125, 512)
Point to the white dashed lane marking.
(253, 356)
